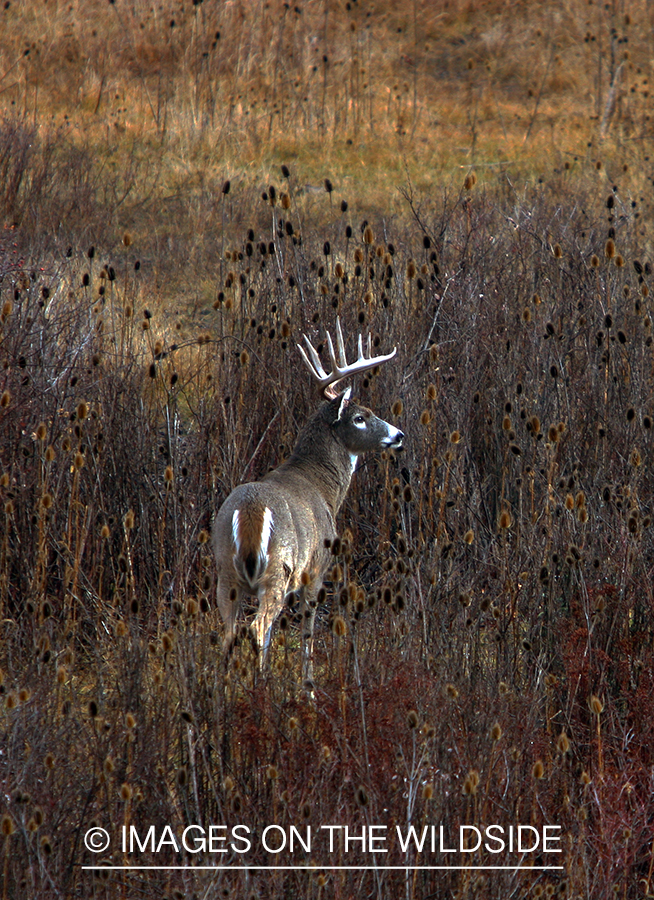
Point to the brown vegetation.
(484, 652)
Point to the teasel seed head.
(563, 743)
(46, 845)
(505, 520)
(596, 705)
(191, 608)
(451, 692)
(496, 732)
(471, 179)
(471, 783)
(412, 719)
(5, 399)
(538, 770)
(228, 784)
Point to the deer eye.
(359, 420)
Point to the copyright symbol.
(97, 840)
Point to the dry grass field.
(186, 189)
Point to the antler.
(340, 368)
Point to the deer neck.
(325, 461)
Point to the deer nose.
(395, 438)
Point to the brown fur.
(303, 495)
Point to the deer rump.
(274, 547)
(269, 533)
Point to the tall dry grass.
(150, 108)
(484, 652)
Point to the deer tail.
(251, 531)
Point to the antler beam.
(339, 368)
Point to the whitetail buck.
(271, 537)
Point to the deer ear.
(343, 401)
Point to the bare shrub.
(484, 650)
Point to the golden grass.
(359, 94)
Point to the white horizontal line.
(326, 868)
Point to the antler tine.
(332, 355)
(314, 365)
(340, 367)
(341, 343)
